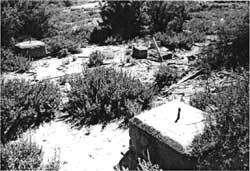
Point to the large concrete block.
(166, 132)
(34, 49)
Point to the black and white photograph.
(124, 85)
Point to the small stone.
(140, 52)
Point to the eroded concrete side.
(167, 141)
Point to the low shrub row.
(178, 40)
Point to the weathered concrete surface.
(34, 49)
(166, 136)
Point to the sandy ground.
(89, 149)
(92, 148)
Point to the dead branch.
(190, 76)
(158, 50)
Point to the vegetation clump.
(232, 48)
(25, 155)
(13, 62)
(225, 143)
(25, 106)
(96, 59)
(166, 76)
(103, 94)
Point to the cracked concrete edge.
(156, 134)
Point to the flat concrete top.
(30, 44)
(162, 119)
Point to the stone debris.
(140, 52)
(33, 49)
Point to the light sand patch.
(85, 149)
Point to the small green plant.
(25, 155)
(53, 164)
(22, 155)
(96, 59)
(103, 94)
(147, 165)
(66, 62)
(25, 106)
(13, 62)
(166, 76)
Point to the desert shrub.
(122, 17)
(224, 145)
(123, 20)
(177, 40)
(22, 155)
(99, 35)
(25, 155)
(167, 16)
(166, 76)
(201, 25)
(24, 19)
(96, 59)
(103, 94)
(60, 46)
(13, 62)
(68, 3)
(25, 106)
(232, 49)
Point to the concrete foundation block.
(166, 132)
(33, 49)
(140, 52)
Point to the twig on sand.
(190, 76)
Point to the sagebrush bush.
(166, 76)
(103, 94)
(25, 155)
(25, 106)
(232, 49)
(96, 59)
(60, 46)
(24, 19)
(13, 62)
(123, 20)
(22, 155)
(167, 16)
(225, 143)
(178, 40)
(122, 17)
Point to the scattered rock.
(140, 52)
(34, 49)
(167, 56)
